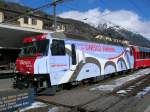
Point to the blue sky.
(130, 14)
(141, 7)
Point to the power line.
(55, 2)
(33, 11)
(109, 13)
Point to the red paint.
(34, 38)
(58, 65)
(25, 65)
(117, 56)
(138, 63)
(142, 63)
(27, 40)
(99, 48)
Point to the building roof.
(15, 9)
(12, 36)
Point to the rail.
(6, 74)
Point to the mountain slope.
(120, 33)
(83, 29)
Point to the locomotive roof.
(62, 35)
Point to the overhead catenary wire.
(33, 11)
(110, 13)
(103, 15)
(52, 4)
(114, 25)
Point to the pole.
(54, 15)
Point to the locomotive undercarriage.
(41, 83)
(31, 81)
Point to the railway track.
(7, 75)
(118, 104)
(133, 89)
(111, 102)
(127, 99)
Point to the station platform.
(93, 97)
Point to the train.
(53, 59)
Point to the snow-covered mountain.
(121, 33)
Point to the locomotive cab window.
(58, 48)
(131, 52)
(35, 48)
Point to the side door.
(59, 61)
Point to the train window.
(58, 48)
(131, 52)
(35, 48)
(74, 61)
(146, 55)
(137, 55)
(141, 55)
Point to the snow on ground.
(122, 92)
(147, 109)
(104, 88)
(119, 82)
(54, 109)
(144, 92)
(34, 105)
(59, 109)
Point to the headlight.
(35, 79)
(17, 71)
(28, 72)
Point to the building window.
(26, 20)
(34, 22)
